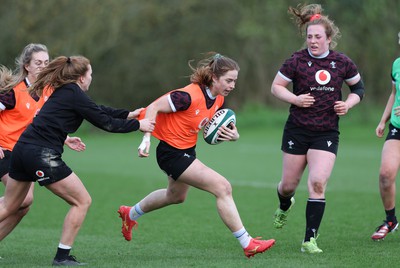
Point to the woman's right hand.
(1, 153)
(304, 100)
(147, 125)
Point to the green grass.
(191, 234)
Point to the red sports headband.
(315, 17)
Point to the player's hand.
(1, 153)
(380, 129)
(135, 113)
(341, 107)
(144, 147)
(147, 125)
(304, 100)
(228, 133)
(75, 143)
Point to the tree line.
(139, 49)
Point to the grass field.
(191, 234)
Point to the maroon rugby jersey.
(323, 78)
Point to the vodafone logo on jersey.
(323, 77)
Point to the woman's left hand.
(229, 133)
(134, 114)
(341, 107)
(75, 143)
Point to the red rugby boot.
(127, 223)
(258, 246)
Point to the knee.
(287, 189)
(385, 179)
(7, 209)
(26, 204)
(224, 188)
(88, 201)
(23, 211)
(318, 187)
(176, 197)
(28, 201)
(85, 202)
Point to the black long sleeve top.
(64, 112)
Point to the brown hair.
(216, 64)
(62, 70)
(305, 15)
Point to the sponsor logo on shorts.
(40, 174)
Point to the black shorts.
(297, 140)
(5, 163)
(35, 163)
(174, 161)
(394, 133)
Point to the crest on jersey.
(323, 77)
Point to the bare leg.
(14, 195)
(388, 172)
(292, 170)
(12, 221)
(175, 194)
(72, 190)
(200, 176)
(320, 165)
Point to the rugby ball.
(222, 117)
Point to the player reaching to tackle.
(17, 109)
(37, 156)
(180, 115)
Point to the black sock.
(314, 212)
(62, 253)
(391, 215)
(284, 201)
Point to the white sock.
(136, 212)
(64, 246)
(243, 236)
